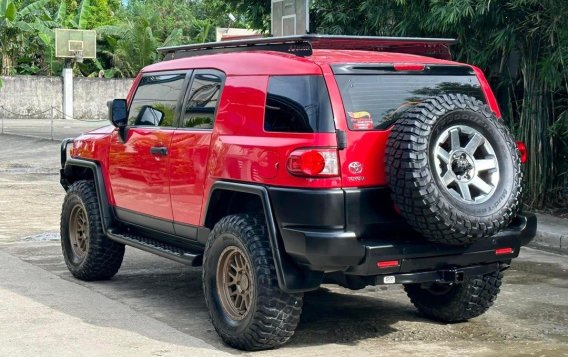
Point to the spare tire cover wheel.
(453, 169)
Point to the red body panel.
(94, 146)
(238, 148)
(139, 180)
(189, 154)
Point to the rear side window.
(298, 104)
(376, 101)
(155, 100)
(203, 99)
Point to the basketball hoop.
(75, 44)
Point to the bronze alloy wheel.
(79, 231)
(235, 282)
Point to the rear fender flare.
(291, 278)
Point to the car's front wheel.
(247, 308)
(88, 252)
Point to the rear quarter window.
(298, 104)
(376, 101)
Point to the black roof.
(302, 45)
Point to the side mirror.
(118, 112)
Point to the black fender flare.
(291, 278)
(67, 178)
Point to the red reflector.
(408, 67)
(387, 264)
(522, 151)
(503, 251)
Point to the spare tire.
(453, 169)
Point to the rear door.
(375, 95)
(189, 152)
(139, 167)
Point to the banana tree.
(16, 30)
(8, 13)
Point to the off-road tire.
(274, 314)
(102, 257)
(462, 302)
(423, 200)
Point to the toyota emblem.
(355, 167)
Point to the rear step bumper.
(337, 250)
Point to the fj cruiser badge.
(355, 167)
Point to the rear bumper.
(339, 250)
(332, 246)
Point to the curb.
(551, 234)
(550, 241)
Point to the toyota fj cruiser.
(280, 164)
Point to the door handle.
(159, 150)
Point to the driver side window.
(155, 100)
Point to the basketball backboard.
(77, 44)
(290, 17)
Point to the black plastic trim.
(173, 252)
(315, 208)
(107, 215)
(291, 278)
(301, 45)
(340, 250)
(144, 220)
(63, 152)
(185, 230)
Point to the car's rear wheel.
(454, 170)
(456, 302)
(88, 253)
(247, 308)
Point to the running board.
(150, 245)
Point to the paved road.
(56, 129)
(155, 307)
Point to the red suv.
(280, 164)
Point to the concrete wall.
(90, 95)
(34, 96)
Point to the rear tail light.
(408, 67)
(313, 162)
(522, 151)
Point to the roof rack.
(302, 45)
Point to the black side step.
(150, 245)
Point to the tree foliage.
(522, 46)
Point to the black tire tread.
(469, 299)
(277, 313)
(104, 256)
(413, 187)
